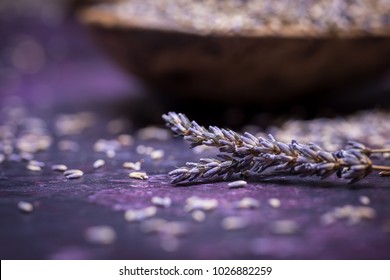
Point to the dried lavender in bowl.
(246, 154)
(244, 51)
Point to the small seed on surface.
(34, 168)
(132, 165)
(68, 145)
(70, 171)
(59, 167)
(247, 203)
(352, 214)
(274, 202)
(37, 163)
(327, 219)
(284, 227)
(144, 150)
(237, 184)
(117, 125)
(153, 132)
(73, 173)
(125, 139)
(25, 207)
(343, 212)
(157, 154)
(140, 214)
(175, 228)
(100, 235)
(110, 153)
(233, 223)
(74, 176)
(152, 225)
(365, 200)
(162, 201)
(366, 212)
(199, 215)
(99, 163)
(73, 124)
(196, 203)
(138, 175)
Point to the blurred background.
(48, 59)
(50, 62)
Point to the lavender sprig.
(248, 154)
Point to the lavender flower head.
(245, 154)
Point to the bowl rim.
(96, 15)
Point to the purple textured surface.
(64, 209)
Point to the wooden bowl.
(265, 64)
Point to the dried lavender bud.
(365, 200)
(284, 227)
(237, 184)
(194, 203)
(59, 167)
(353, 214)
(247, 203)
(161, 201)
(98, 163)
(233, 223)
(199, 216)
(140, 214)
(132, 165)
(73, 173)
(25, 207)
(138, 175)
(33, 167)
